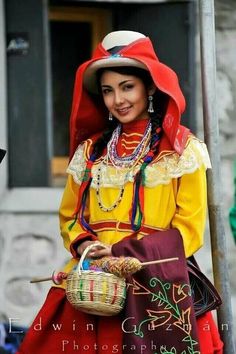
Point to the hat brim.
(90, 78)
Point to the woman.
(136, 183)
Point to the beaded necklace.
(128, 161)
(100, 203)
(125, 162)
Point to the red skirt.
(59, 328)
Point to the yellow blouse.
(174, 197)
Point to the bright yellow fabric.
(179, 204)
(66, 213)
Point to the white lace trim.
(169, 166)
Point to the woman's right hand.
(99, 249)
(83, 246)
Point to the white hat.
(120, 38)
(111, 40)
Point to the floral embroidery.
(168, 311)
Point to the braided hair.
(160, 105)
(160, 101)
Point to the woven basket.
(95, 292)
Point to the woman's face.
(125, 96)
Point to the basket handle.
(84, 254)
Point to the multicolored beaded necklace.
(122, 162)
(128, 161)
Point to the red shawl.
(159, 315)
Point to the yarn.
(86, 264)
(119, 266)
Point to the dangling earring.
(110, 117)
(150, 106)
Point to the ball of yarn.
(86, 264)
(119, 266)
(95, 268)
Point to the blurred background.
(41, 45)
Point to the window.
(74, 33)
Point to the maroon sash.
(158, 315)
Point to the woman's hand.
(99, 249)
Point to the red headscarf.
(88, 116)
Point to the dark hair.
(160, 100)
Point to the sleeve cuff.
(81, 238)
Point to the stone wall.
(31, 247)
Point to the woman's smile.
(123, 111)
